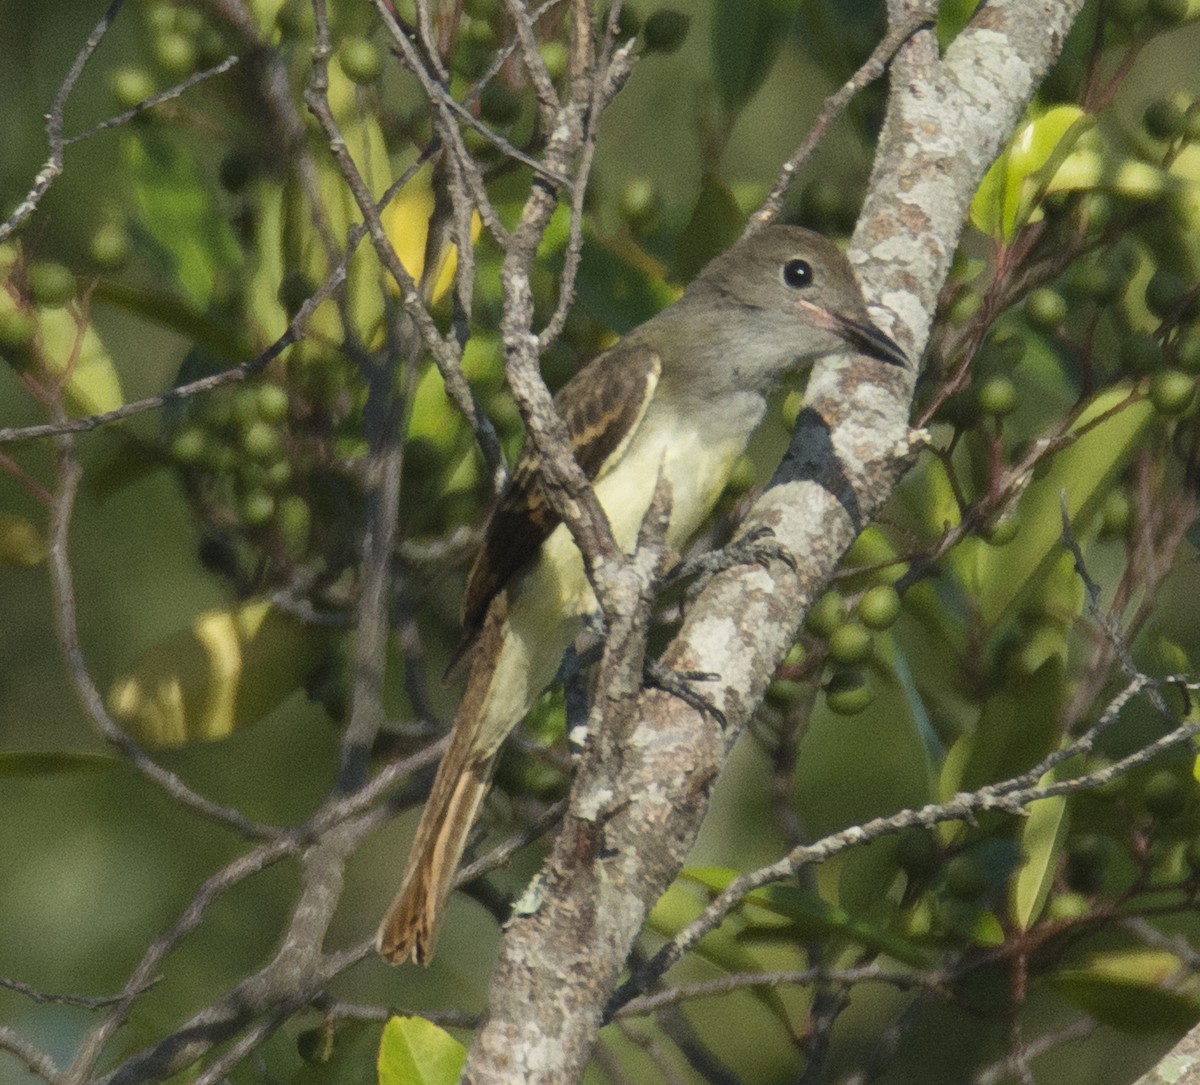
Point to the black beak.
(867, 339)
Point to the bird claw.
(757, 547)
(679, 684)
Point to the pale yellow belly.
(547, 601)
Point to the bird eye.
(798, 274)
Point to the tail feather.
(412, 923)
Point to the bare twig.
(54, 124)
(1011, 796)
(85, 688)
(870, 70)
(35, 1060)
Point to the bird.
(679, 397)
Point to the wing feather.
(602, 407)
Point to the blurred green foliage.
(957, 649)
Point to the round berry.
(1172, 391)
(850, 642)
(50, 284)
(848, 692)
(879, 607)
(360, 60)
(1045, 309)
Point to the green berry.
(640, 205)
(236, 170)
(965, 879)
(1172, 391)
(277, 474)
(1163, 120)
(50, 284)
(1045, 309)
(109, 247)
(785, 694)
(272, 402)
(554, 56)
(175, 54)
(1116, 514)
(1169, 12)
(244, 406)
(850, 642)
(294, 291)
(256, 507)
(666, 30)
(997, 397)
(1127, 12)
(131, 86)
(1063, 907)
(1102, 280)
(879, 607)
(826, 614)
(848, 692)
(917, 852)
(295, 20)
(1003, 531)
(188, 446)
(261, 441)
(1187, 353)
(360, 60)
(17, 329)
(1191, 123)
(1165, 292)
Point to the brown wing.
(602, 406)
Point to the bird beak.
(867, 339)
(861, 335)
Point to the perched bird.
(680, 395)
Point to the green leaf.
(414, 1051)
(76, 354)
(53, 762)
(1042, 838)
(746, 38)
(178, 211)
(1017, 728)
(809, 917)
(1128, 990)
(346, 1057)
(716, 223)
(1011, 188)
(616, 291)
(952, 17)
(1084, 471)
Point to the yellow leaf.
(406, 220)
(228, 670)
(91, 385)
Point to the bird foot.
(758, 547)
(680, 684)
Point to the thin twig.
(34, 1059)
(66, 620)
(1011, 796)
(870, 70)
(54, 124)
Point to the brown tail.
(411, 925)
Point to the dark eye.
(798, 274)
